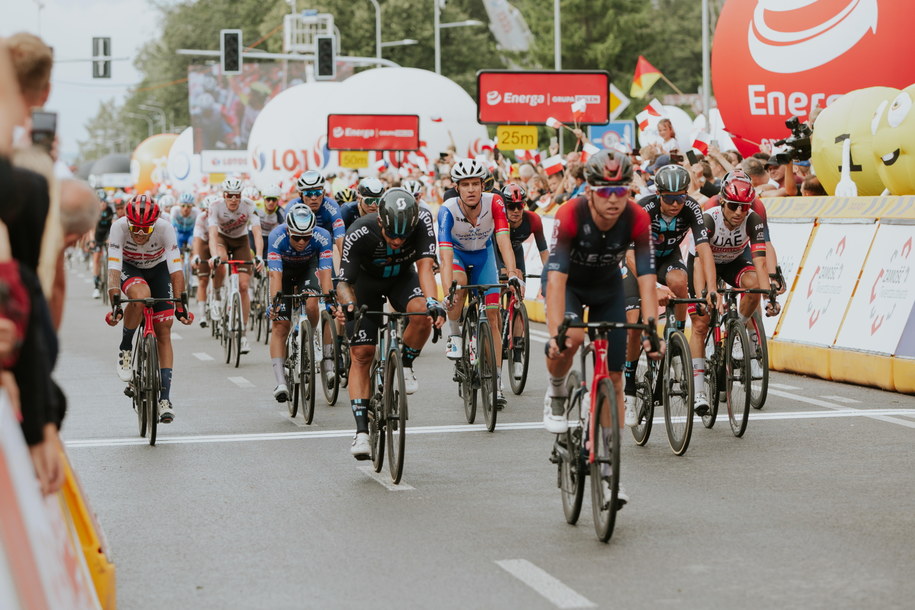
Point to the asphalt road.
(238, 506)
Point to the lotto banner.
(790, 242)
(883, 301)
(824, 288)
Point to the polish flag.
(587, 151)
(381, 165)
(553, 165)
(554, 123)
(487, 145)
(650, 115)
(578, 110)
(701, 142)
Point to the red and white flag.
(554, 123)
(435, 119)
(578, 110)
(527, 155)
(381, 165)
(553, 165)
(650, 115)
(701, 142)
(587, 151)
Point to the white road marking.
(241, 382)
(383, 478)
(881, 415)
(202, 356)
(845, 399)
(558, 593)
(535, 425)
(780, 386)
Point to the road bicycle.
(581, 451)
(669, 383)
(516, 345)
(476, 369)
(728, 354)
(144, 385)
(231, 325)
(258, 319)
(211, 312)
(187, 266)
(335, 375)
(299, 365)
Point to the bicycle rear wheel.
(571, 463)
(486, 368)
(151, 385)
(238, 328)
(678, 393)
(466, 371)
(329, 383)
(605, 469)
(306, 369)
(646, 375)
(519, 348)
(395, 413)
(737, 370)
(760, 355)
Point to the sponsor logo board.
(511, 97)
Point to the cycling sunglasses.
(312, 192)
(299, 238)
(735, 206)
(607, 191)
(273, 199)
(141, 230)
(371, 200)
(187, 205)
(674, 199)
(514, 206)
(231, 195)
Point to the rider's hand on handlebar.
(258, 263)
(654, 354)
(214, 261)
(183, 315)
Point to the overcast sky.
(69, 26)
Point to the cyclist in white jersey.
(144, 261)
(228, 221)
(201, 256)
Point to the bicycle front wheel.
(737, 371)
(571, 462)
(646, 375)
(376, 415)
(519, 350)
(395, 413)
(486, 369)
(238, 328)
(605, 469)
(329, 376)
(151, 385)
(713, 380)
(759, 363)
(138, 398)
(678, 393)
(290, 370)
(306, 369)
(466, 370)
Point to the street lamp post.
(438, 26)
(145, 117)
(159, 112)
(706, 84)
(557, 46)
(377, 29)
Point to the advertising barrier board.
(790, 242)
(372, 131)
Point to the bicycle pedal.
(128, 391)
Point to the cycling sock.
(278, 371)
(98, 282)
(629, 374)
(127, 337)
(680, 325)
(360, 412)
(454, 326)
(409, 355)
(165, 378)
(743, 319)
(557, 386)
(699, 374)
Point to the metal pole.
(377, 29)
(146, 117)
(557, 47)
(706, 83)
(438, 41)
(160, 114)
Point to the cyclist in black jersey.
(110, 213)
(368, 194)
(522, 224)
(379, 253)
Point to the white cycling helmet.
(251, 193)
(370, 187)
(468, 168)
(310, 180)
(272, 191)
(300, 219)
(414, 187)
(231, 186)
(166, 201)
(209, 201)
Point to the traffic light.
(230, 51)
(101, 58)
(326, 57)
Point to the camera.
(798, 144)
(44, 129)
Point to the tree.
(105, 134)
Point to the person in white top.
(228, 221)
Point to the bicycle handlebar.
(650, 329)
(364, 311)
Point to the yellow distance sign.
(354, 159)
(511, 137)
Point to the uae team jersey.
(456, 232)
(233, 224)
(185, 224)
(162, 245)
(728, 244)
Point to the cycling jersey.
(200, 226)
(349, 212)
(282, 256)
(184, 223)
(530, 225)
(365, 250)
(271, 221)
(233, 224)
(103, 226)
(327, 217)
(756, 206)
(162, 245)
(588, 255)
(667, 233)
(728, 244)
(455, 231)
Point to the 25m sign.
(510, 98)
(373, 132)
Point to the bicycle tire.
(376, 416)
(238, 328)
(331, 387)
(486, 370)
(572, 465)
(606, 464)
(289, 372)
(225, 335)
(738, 378)
(678, 393)
(395, 414)
(343, 369)
(151, 386)
(103, 277)
(519, 317)
(759, 387)
(137, 379)
(466, 372)
(306, 369)
(712, 381)
(646, 375)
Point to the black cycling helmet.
(513, 194)
(608, 168)
(671, 180)
(488, 181)
(398, 212)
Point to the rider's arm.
(644, 263)
(445, 247)
(258, 235)
(756, 227)
(426, 249)
(702, 228)
(213, 234)
(539, 239)
(115, 256)
(558, 265)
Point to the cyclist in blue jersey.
(272, 214)
(184, 219)
(327, 213)
(299, 257)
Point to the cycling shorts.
(371, 291)
(185, 238)
(606, 302)
(203, 268)
(733, 271)
(300, 278)
(160, 286)
(238, 249)
(480, 268)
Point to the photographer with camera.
(796, 147)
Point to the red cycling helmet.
(512, 193)
(142, 211)
(738, 188)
